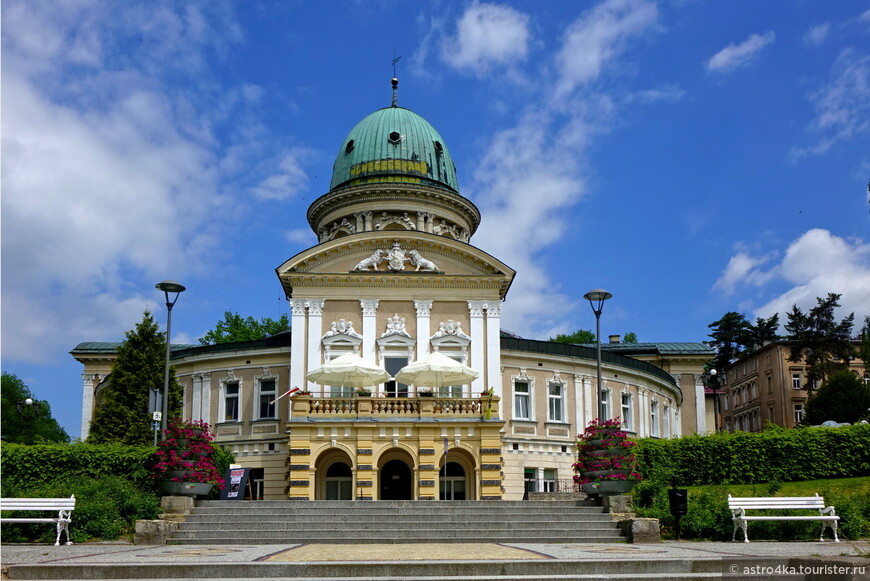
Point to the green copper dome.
(394, 145)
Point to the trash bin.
(678, 498)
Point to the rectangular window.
(654, 418)
(393, 388)
(267, 399)
(798, 413)
(605, 404)
(555, 403)
(521, 400)
(530, 478)
(627, 419)
(796, 380)
(231, 401)
(769, 384)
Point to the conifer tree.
(822, 343)
(122, 413)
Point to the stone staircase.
(289, 522)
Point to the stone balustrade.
(395, 407)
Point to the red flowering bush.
(604, 448)
(186, 454)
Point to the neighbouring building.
(393, 277)
(764, 387)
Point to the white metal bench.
(739, 506)
(63, 506)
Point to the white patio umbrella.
(436, 370)
(348, 370)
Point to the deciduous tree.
(842, 398)
(234, 328)
(29, 424)
(577, 337)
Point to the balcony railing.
(395, 407)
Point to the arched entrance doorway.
(453, 482)
(339, 482)
(396, 481)
(334, 476)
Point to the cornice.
(402, 193)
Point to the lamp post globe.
(596, 298)
(168, 287)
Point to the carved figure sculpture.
(422, 263)
(396, 257)
(371, 262)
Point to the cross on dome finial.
(395, 80)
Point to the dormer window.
(349, 147)
(395, 137)
(439, 149)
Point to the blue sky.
(691, 157)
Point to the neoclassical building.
(395, 276)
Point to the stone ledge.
(641, 531)
(153, 532)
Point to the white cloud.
(285, 181)
(814, 265)
(598, 37)
(817, 35)
(743, 269)
(487, 36)
(842, 106)
(112, 177)
(735, 56)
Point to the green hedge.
(54, 462)
(776, 455)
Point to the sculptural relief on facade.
(395, 326)
(450, 327)
(342, 327)
(396, 258)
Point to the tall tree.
(865, 343)
(122, 413)
(762, 331)
(234, 328)
(578, 336)
(22, 424)
(822, 343)
(730, 336)
(842, 398)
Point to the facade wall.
(765, 387)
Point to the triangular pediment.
(376, 259)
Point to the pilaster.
(88, 383)
(315, 331)
(424, 309)
(478, 339)
(493, 347)
(369, 331)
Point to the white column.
(578, 405)
(475, 309)
(297, 345)
(88, 381)
(424, 329)
(196, 397)
(643, 412)
(493, 348)
(369, 328)
(700, 415)
(206, 398)
(315, 331)
(587, 403)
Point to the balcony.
(398, 408)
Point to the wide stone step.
(496, 570)
(465, 528)
(545, 520)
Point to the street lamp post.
(717, 404)
(168, 286)
(596, 300)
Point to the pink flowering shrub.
(187, 447)
(604, 446)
